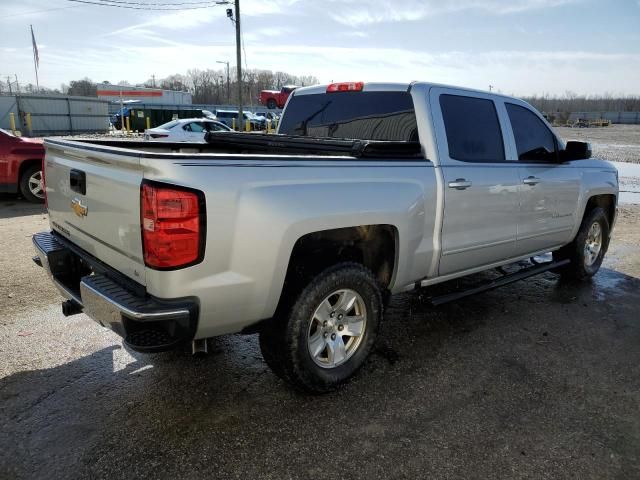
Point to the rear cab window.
(472, 128)
(169, 125)
(388, 116)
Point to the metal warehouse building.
(631, 118)
(113, 93)
(41, 115)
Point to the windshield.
(169, 125)
(354, 115)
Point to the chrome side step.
(506, 279)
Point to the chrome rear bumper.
(146, 323)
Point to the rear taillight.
(158, 135)
(173, 226)
(345, 87)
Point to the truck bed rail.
(263, 144)
(254, 142)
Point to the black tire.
(284, 341)
(272, 104)
(25, 190)
(580, 268)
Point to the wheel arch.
(606, 201)
(373, 246)
(26, 164)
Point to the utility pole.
(228, 92)
(153, 79)
(9, 85)
(239, 66)
(490, 88)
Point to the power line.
(40, 11)
(156, 4)
(149, 7)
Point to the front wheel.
(326, 336)
(587, 250)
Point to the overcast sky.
(520, 46)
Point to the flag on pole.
(36, 57)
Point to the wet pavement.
(539, 379)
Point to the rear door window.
(473, 129)
(352, 115)
(214, 127)
(194, 127)
(534, 140)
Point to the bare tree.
(84, 87)
(208, 86)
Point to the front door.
(481, 202)
(549, 189)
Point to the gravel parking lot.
(616, 143)
(540, 379)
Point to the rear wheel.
(587, 250)
(326, 336)
(32, 184)
(271, 104)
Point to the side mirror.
(576, 151)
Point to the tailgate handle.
(78, 181)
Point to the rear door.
(194, 131)
(480, 187)
(549, 189)
(93, 199)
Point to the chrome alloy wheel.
(35, 184)
(593, 244)
(337, 328)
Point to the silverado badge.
(78, 208)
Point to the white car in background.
(185, 130)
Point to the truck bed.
(266, 144)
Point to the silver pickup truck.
(367, 190)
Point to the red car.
(21, 166)
(276, 99)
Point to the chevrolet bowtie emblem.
(78, 208)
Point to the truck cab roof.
(391, 87)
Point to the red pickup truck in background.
(21, 166)
(274, 98)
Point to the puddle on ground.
(629, 174)
(607, 283)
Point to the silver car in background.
(184, 130)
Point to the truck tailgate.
(93, 198)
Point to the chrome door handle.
(460, 184)
(531, 181)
